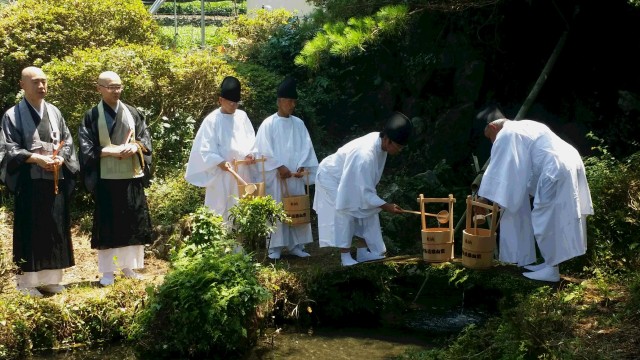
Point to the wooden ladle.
(442, 216)
(248, 188)
(480, 219)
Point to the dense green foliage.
(207, 231)
(615, 192)
(244, 32)
(207, 303)
(351, 37)
(362, 59)
(36, 31)
(254, 220)
(66, 321)
(171, 198)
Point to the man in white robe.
(528, 159)
(226, 134)
(284, 141)
(346, 200)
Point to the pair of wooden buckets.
(479, 244)
(297, 207)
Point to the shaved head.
(110, 88)
(31, 72)
(108, 76)
(34, 83)
(493, 128)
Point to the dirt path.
(86, 268)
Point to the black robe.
(121, 216)
(42, 224)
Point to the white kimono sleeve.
(205, 155)
(357, 193)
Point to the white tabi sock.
(107, 279)
(365, 255)
(347, 260)
(363, 251)
(274, 253)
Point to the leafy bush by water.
(207, 303)
(254, 220)
(66, 321)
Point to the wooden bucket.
(260, 186)
(297, 207)
(437, 245)
(478, 246)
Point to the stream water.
(419, 329)
(334, 344)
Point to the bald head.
(32, 71)
(34, 83)
(110, 87)
(108, 76)
(493, 128)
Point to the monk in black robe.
(115, 158)
(38, 165)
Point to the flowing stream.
(424, 327)
(334, 344)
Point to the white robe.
(221, 137)
(286, 141)
(527, 158)
(346, 200)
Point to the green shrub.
(174, 91)
(208, 230)
(615, 192)
(254, 220)
(66, 321)
(205, 307)
(33, 32)
(172, 198)
(246, 32)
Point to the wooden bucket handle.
(495, 210)
(285, 188)
(262, 160)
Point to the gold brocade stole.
(112, 167)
